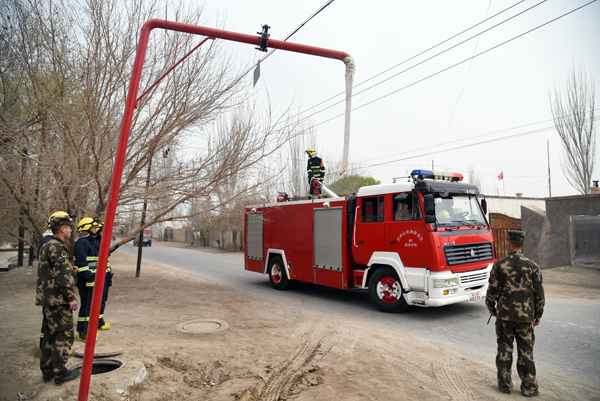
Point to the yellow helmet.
(59, 218)
(444, 214)
(311, 152)
(86, 223)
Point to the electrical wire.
(416, 55)
(463, 85)
(474, 144)
(448, 68)
(426, 60)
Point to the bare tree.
(474, 178)
(293, 161)
(64, 75)
(573, 112)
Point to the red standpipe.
(115, 184)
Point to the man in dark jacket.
(55, 292)
(315, 169)
(516, 297)
(107, 278)
(86, 260)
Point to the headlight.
(447, 282)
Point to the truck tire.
(279, 279)
(385, 291)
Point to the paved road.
(568, 340)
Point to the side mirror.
(429, 219)
(484, 206)
(429, 205)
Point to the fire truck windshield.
(458, 211)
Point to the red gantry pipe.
(115, 184)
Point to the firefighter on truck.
(424, 242)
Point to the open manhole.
(204, 326)
(103, 366)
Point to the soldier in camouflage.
(516, 297)
(55, 292)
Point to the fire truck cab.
(423, 242)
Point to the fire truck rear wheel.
(277, 275)
(385, 291)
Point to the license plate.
(474, 297)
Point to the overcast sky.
(501, 93)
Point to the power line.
(424, 61)
(452, 66)
(474, 137)
(474, 144)
(464, 83)
(416, 55)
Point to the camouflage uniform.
(516, 297)
(55, 289)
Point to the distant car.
(146, 242)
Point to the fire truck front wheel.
(385, 291)
(277, 275)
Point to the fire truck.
(425, 241)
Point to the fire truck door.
(406, 231)
(370, 229)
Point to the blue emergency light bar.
(436, 175)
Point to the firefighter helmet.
(86, 223)
(59, 218)
(311, 152)
(444, 213)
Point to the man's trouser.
(58, 339)
(85, 293)
(507, 332)
(103, 305)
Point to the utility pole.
(549, 182)
(21, 248)
(141, 239)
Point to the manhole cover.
(101, 351)
(207, 326)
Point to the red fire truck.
(422, 242)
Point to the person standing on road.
(86, 259)
(516, 297)
(107, 278)
(55, 292)
(47, 236)
(315, 169)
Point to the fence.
(501, 224)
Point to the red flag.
(501, 176)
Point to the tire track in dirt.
(279, 382)
(440, 376)
(450, 377)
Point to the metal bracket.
(264, 38)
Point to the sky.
(412, 120)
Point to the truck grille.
(479, 275)
(468, 253)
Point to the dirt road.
(269, 351)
